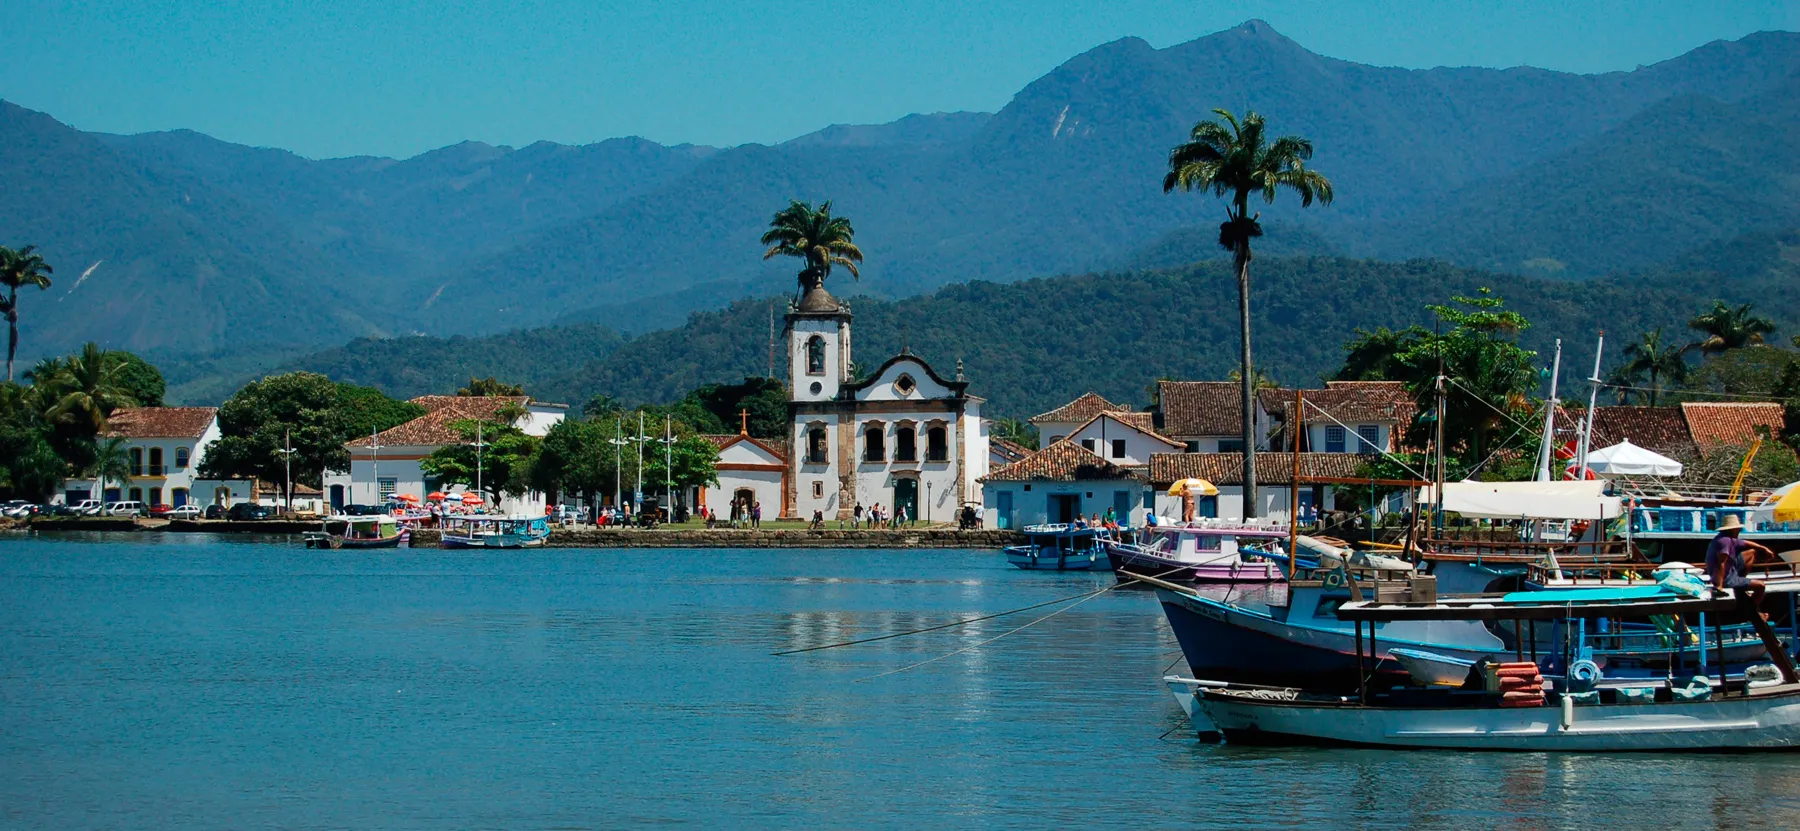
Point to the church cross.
(744, 422)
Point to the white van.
(125, 509)
(89, 507)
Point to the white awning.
(1627, 459)
(1526, 500)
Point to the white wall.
(764, 484)
(1031, 500)
(1050, 431)
(1315, 436)
(1275, 502)
(1138, 445)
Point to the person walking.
(856, 517)
(756, 515)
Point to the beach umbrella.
(471, 499)
(1193, 487)
(1787, 505)
(405, 497)
(1627, 459)
(436, 496)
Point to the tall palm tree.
(19, 269)
(1234, 159)
(814, 236)
(1659, 361)
(89, 390)
(1727, 328)
(112, 461)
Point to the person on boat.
(1726, 561)
(1150, 518)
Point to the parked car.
(213, 512)
(249, 512)
(22, 510)
(568, 515)
(63, 509)
(125, 508)
(89, 507)
(185, 512)
(161, 511)
(7, 508)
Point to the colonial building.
(902, 437)
(165, 446)
(1346, 417)
(750, 470)
(1274, 473)
(1060, 482)
(388, 462)
(1056, 425)
(1207, 416)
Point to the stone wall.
(745, 538)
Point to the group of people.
(745, 513)
(1107, 521)
(879, 517)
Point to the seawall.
(745, 538)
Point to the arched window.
(906, 444)
(815, 446)
(937, 443)
(181, 458)
(875, 443)
(815, 355)
(137, 461)
(156, 462)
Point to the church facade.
(901, 436)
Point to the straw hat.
(1731, 523)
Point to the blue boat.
(479, 531)
(1061, 547)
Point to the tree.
(140, 378)
(1489, 377)
(19, 269)
(1017, 431)
(1375, 356)
(502, 464)
(490, 386)
(257, 421)
(695, 463)
(1651, 358)
(719, 407)
(112, 462)
(87, 390)
(816, 238)
(1726, 328)
(1235, 162)
(369, 410)
(577, 457)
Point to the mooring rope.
(1021, 628)
(951, 624)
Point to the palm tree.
(112, 460)
(1727, 328)
(815, 236)
(1234, 160)
(88, 390)
(1652, 358)
(18, 269)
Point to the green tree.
(30, 467)
(1017, 431)
(1655, 360)
(369, 410)
(577, 457)
(1727, 327)
(695, 463)
(1375, 356)
(19, 269)
(1489, 378)
(490, 386)
(87, 389)
(815, 237)
(142, 380)
(500, 465)
(112, 463)
(1234, 162)
(259, 419)
(765, 399)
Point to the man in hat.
(1726, 561)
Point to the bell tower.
(818, 329)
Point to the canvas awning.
(1526, 500)
(1627, 459)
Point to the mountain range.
(182, 246)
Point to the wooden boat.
(1681, 530)
(373, 531)
(1198, 552)
(1060, 547)
(1660, 716)
(482, 531)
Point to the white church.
(902, 437)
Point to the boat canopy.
(1526, 500)
(1627, 459)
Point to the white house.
(903, 437)
(387, 463)
(1060, 482)
(1274, 472)
(1056, 425)
(1123, 438)
(750, 470)
(1346, 417)
(166, 446)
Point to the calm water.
(178, 682)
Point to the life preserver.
(1585, 671)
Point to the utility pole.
(669, 464)
(478, 445)
(375, 463)
(637, 497)
(618, 443)
(287, 456)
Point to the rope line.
(1020, 628)
(946, 625)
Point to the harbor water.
(186, 681)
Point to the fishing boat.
(1199, 552)
(482, 531)
(1669, 530)
(373, 531)
(1060, 547)
(1515, 708)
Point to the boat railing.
(1474, 550)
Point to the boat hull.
(1031, 559)
(1177, 571)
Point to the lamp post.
(618, 443)
(287, 457)
(927, 503)
(668, 441)
(637, 496)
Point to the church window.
(937, 443)
(905, 385)
(818, 489)
(874, 444)
(906, 445)
(815, 446)
(815, 355)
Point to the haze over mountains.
(200, 246)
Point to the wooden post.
(1299, 423)
(1777, 652)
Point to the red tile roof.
(433, 428)
(161, 422)
(1347, 401)
(1736, 423)
(1063, 461)
(1081, 409)
(1200, 408)
(1657, 428)
(1271, 468)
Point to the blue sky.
(397, 77)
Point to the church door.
(906, 495)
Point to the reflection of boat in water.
(372, 531)
(1201, 552)
(479, 531)
(1061, 547)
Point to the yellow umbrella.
(1788, 509)
(1193, 487)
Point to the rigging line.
(1490, 456)
(1477, 396)
(945, 625)
(1668, 390)
(1391, 457)
(1020, 628)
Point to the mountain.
(935, 128)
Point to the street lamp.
(287, 457)
(668, 441)
(637, 497)
(618, 443)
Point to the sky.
(331, 78)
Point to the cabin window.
(1334, 439)
(156, 462)
(1367, 436)
(937, 443)
(1118, 448)
(1231, 445)
(874, 444)
(137, 461)
(815, 355)
(815, 446)
(906, 445)
(1088, 445)
(181, 458)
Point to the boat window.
(1209, 542)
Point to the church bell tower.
(818, 329)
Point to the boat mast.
(1437, 512)
(1295, 425)
(1544, 447)
(1587, 422)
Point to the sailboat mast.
(1587, 423)
(1544, 447)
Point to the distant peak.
(1259, 27)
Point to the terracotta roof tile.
(1656, 428)
(1200, 408)
(1063, 461)
(161, 422)
(433, 428)
(1012, 451)
(1228, 468)
(720, 440)
(1735, 423)
(1081, 409)
(1347, 401)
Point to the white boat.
(483, 531)
(1209, 551)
